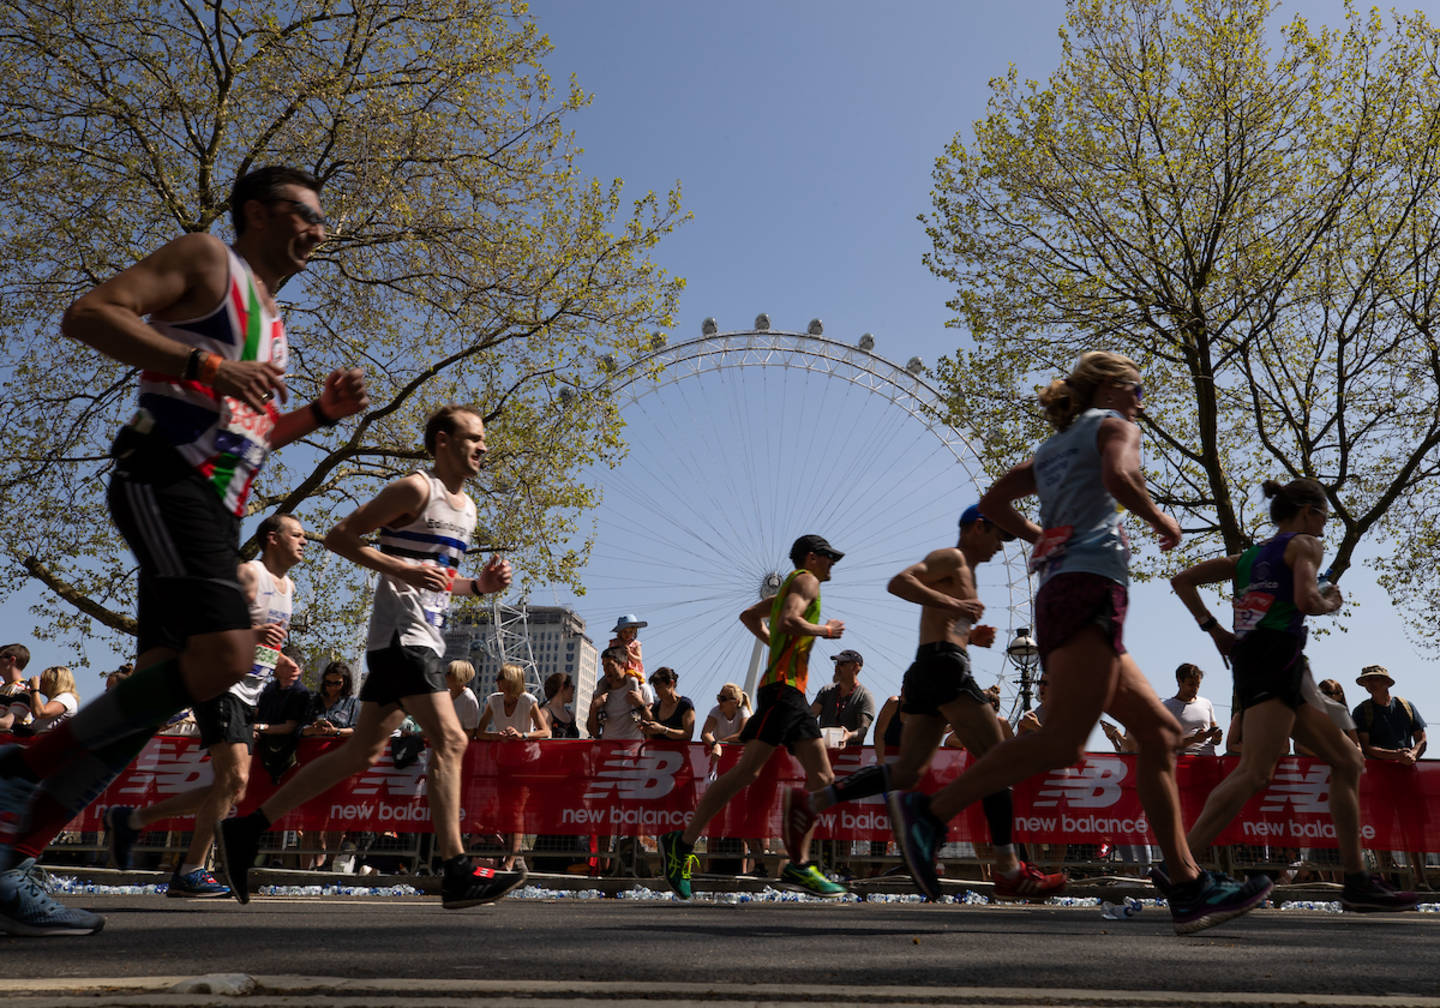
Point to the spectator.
(335, 708)
(511, 715)
(458, 677)
(1031, 720)
(619, 704)
(626, 631)
(57, 684)
(844, 703)
(1391, 729)
(726, 719)
(14, 691)
(1199, 729)
(672, 716)
(112, 679)
(1334, 705)
(559, 696)
(284, 706)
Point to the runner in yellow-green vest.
(789, 624)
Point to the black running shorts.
(940, 675)
(226, 719)
(782, 717)
(1268, 665)
(185, 540)
(400, 671)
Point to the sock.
(142, 702)
(1004, 852)
(1000, 815)
(863, 783)
(262, 823)
(457, 865)
(133, 820)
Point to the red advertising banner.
(630, 788)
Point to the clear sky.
(803, 134)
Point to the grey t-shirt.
(854, 713)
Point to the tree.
(1258, 232)
(469, 260)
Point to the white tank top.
(273, 603)
(520, 720)
(439, 536)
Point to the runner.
(1276, 587)
(227, 723)
(787, 623)
(425, 521)
(212, 359)
(1083, 474)
(938, 689)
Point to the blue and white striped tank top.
(439, 535)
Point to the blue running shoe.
(198, 884)
(1214, 899)
(919, 835)
(118, 834)
(27, 909)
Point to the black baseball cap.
(807, 544)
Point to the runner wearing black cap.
(789, 624)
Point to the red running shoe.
(1030, 884)
(795, 821)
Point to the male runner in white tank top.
(227, 722)
(425, 521)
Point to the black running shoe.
(1371, 894)
(118, 834)
(237, 844)
(467, 886)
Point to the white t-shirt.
(1198, 713)
(467, 709)
(520, 720)
(71, 704)
(725, 727)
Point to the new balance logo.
(384, 778)
(1094, 784)
(636, 777)
(169, 765)
(1294, 790)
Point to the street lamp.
(1025, 654)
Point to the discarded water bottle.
(1120, 911)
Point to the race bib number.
(1250, 609)
(1050, 547)
(244, 433)
(436, 604)
(266, 658)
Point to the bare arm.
(542, 730)
(916, 584)
(396, 504)
(997, 505)
(804, 590)
(186, 278)
(754, 619)
(343, 394)
(1187, 584)
(1119, 443)
(1303, 554)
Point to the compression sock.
(863, 783)
(1000, 815)
(140, 703)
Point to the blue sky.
(803, 134)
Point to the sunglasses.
(304, 211)
(334, 682)
(1134, 386)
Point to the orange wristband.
(209, 369)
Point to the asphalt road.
(640, 948)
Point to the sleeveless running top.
(270, 605)
(790, 656)
(1082, 524)
(439, 536)
(222, 438)
(1265, 590)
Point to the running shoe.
(1160, 879)
(119, 835)
(1370, 894)
(237, 844)
(198, 884)
(27, 909)
(1030, 884)
(471, 886)
(809, 878)
(15, 795)
(678, 863)
(919, 835)
(796, 820)
(1213, 899)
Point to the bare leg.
(752, 760)
(232, 774)
(360, 751)
(815, 760)
(1318, 733)
(435, 713)
(975, 725)
(1267, 729)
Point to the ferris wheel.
(740, 442)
